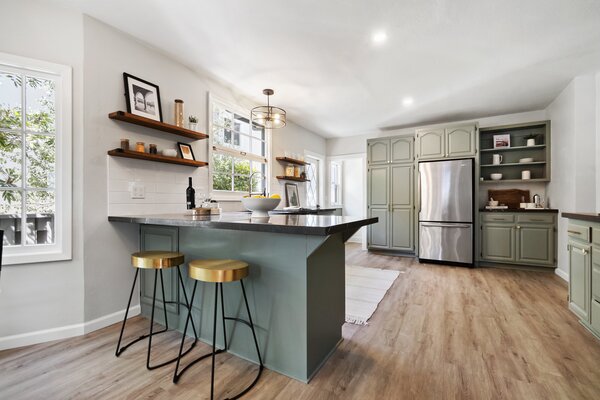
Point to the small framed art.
(143, 97)
(186, 152)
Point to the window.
(336, 183)
(312, 186)
(35, 165)
(239, 151)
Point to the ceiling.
(458, 59)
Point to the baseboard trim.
(562, 274)
(65, 332)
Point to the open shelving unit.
(511, 168)
(160, 126)
(292, 178)
(291, 160)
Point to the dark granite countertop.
(320, 225)
(592, 217)
(530, 210)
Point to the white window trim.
(62, 247)
(225, 195)
(321, 188)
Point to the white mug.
(496, 159)
(525, 175)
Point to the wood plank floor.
(440, 333)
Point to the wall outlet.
(137, 190)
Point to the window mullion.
(23, 160)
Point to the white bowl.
(493, 203)
(260, 207)
(169, 152)
(496, 177)
(526, 160)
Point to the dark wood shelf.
(156, 158)
(160, 126)
(291, 160)
(293, 178)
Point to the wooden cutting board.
(510, 197)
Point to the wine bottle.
(190, 195)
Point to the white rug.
(365, 287)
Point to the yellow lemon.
(275, 196)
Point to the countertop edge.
(592, 217)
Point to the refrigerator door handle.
(441, 225)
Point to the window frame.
(321, 174)
(227, 195)
(61, 249)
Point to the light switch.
(137, 190)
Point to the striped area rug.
(365, 288)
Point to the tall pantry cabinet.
(390, 193)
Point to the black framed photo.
(143, 97)
(186, 152)
(291, 195)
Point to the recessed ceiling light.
(379, 37)
(407, 101)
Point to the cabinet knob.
(518, 226)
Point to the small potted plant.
(193, 122)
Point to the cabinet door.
(431, 144)
(498, 242)
(579, 279)
(402, 185)
(535, 244)
(378, 195)
(402, 150)
(378, 151)
(402, 229)
(460, 141)
(378, 234)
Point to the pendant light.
(268, 116)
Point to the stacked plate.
(526, 160)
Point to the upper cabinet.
(395, 150)
(441, 143)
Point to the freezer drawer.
(452, 242)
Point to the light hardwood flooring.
(440, 333)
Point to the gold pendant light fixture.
(268, 116)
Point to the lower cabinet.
(516, 239)
(378, 234)
(580, 262)
(394, 231)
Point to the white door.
(312, 186)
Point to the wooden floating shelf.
(291, 160)
(161, 126)
(293, 178)
(515, 180)
(514, 164)
(537, 146)
(156, 158)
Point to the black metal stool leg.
(223, 318)
(189, 303)
(162, 286)
(119, 350)
(152, 320)
(214, 340)
(177, 375)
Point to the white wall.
(354, 185)
(574, 148)
(37, 297)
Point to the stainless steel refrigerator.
(446, 211)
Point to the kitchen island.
(296, 286)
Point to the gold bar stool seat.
(218, 272)
(157, 261)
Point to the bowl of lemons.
(261, 205)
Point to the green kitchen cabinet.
(498, 242)
(451, 142)
(378, 151)
(402, 150)
(580, 262)
(518, 238)
(460, 141)
(431, 144)
(390, 193)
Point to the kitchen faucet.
(250, 182)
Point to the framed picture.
(143, 97)
(501, 141)
(291, 195)
(186, 151)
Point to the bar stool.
(157, 261)
(219, 271)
